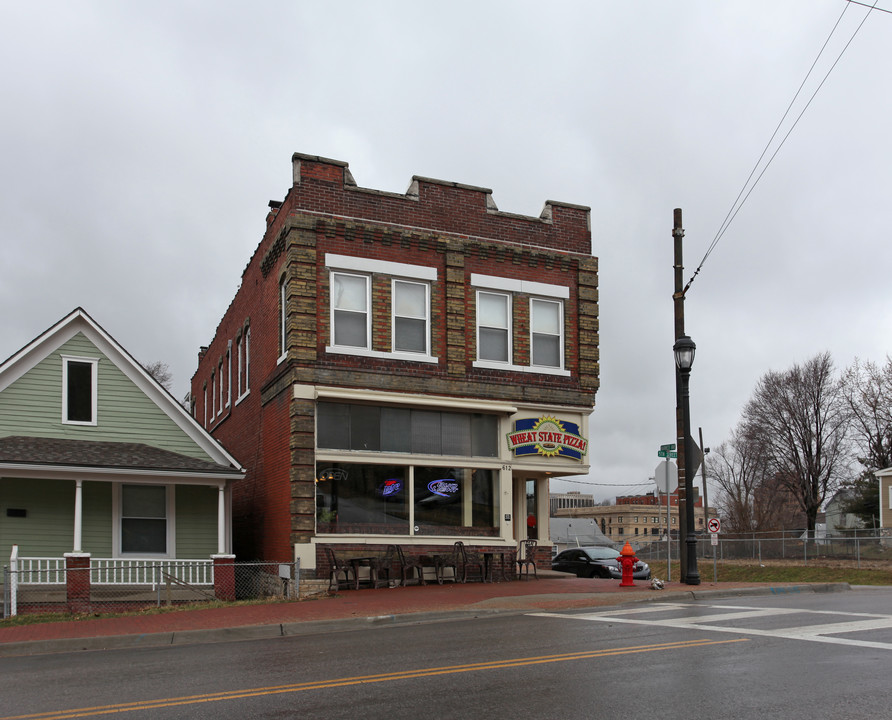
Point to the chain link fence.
(779, 546)
(109, 586)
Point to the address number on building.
(714, 525)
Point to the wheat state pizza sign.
(548, 437)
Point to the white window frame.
(426, 317)
(368, 267)
(283, 345)
(527, 287)
(205, 406)
(213, 396)
(509, 330)
(118, 516)
(220, 373)
(229, 374)
(247, 361)
(560, 335)
(94, 377)
(368, 311)
(239, 351)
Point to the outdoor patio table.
(359, 562)
(489, 557)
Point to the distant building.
(838, 520)
(638, 517)
(572, 499)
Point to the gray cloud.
(141, 144)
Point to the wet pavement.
(361, 608)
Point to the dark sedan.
(589, 562)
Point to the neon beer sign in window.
(443, 488)
(389, 488)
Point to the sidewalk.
(352, 609)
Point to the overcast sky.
(141, 142)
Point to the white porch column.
(78, 515)
(221, 520)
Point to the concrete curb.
(315, 627)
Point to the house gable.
(131, 406)
(32, 405)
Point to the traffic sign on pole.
(713, 525)
(670, 446)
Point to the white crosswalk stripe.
(697, 617)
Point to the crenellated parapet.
(327, 186)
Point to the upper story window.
(220, 378)
(353, 306)
(243, 361)
(283, 315)
(494, 327)
(411, 306)
(79, 396)
(229, 374)
(350, 310)
(547, 331)
(495, 331)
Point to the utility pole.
(681, 444)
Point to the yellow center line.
(360, 679)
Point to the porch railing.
(115, 571)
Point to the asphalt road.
(792, 656)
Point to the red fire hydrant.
(627, 560)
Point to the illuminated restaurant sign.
(547, 436)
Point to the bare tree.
(801, 418)
(868, 392)
(741, 471)
(161, 372)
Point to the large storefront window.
(455, 501)
(369, 428)
(353, 498)
(375, 499)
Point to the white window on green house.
(350, 310)
(411, 312)
(144, 510)
(79, 391)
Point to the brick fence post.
(77, 581)
(224, 576)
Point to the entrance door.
(532, 510)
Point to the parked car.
(589, 562)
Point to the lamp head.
(684, 353)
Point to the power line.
(872, 7)
(601, 484)
(744, 192)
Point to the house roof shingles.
(100, 454)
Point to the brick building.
(640, 517)
(402, 368)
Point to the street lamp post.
(684, 359)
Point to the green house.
(99, 462)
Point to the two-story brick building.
(402, 368)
